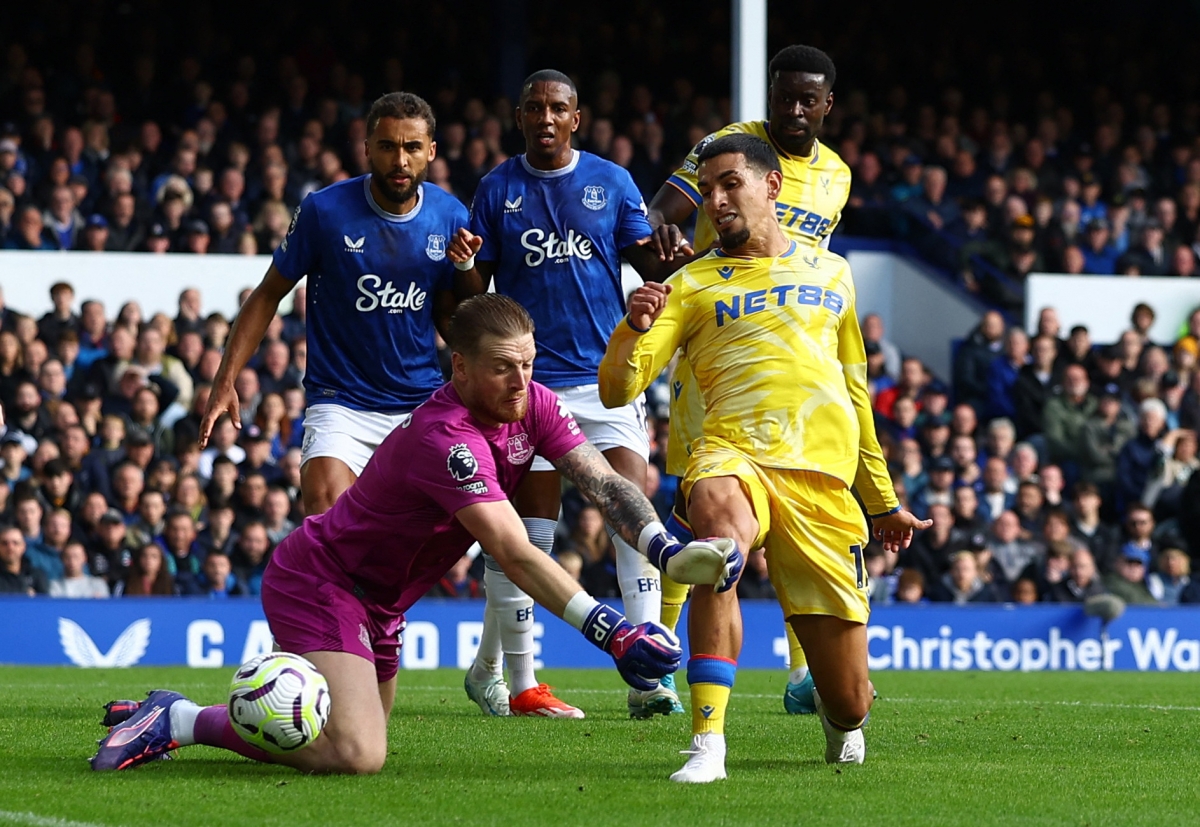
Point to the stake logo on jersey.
(556, 239)
(387, 296)
(372, 279)
(461, 463)
(542, 246)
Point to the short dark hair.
(548, 76)
(759, 155)
(483, 315)
(807, 59)
(401, 105)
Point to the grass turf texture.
(942, 748)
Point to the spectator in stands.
(30, 232)
(913, 379)
(1082, 582)
(1099, 254)
(1036, 382)
(1175, 462)
(17, 575)
(1138, 456)
(76, 582)
(962, 584)
(1104, 434)
(1173, 576)
(251, 555)
(276, 508)
(872, 330)
(148, 525)
(974, 358)
(1003, 373)
(222, 443)
(1010, 550)
(147, 575)
(1128, 578)
(939, 489)
(1065, 415)
(218, 534)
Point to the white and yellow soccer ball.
(278, 702)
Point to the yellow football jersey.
(779, 359)
(810, 204)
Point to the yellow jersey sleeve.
(634, 358)
(872, 480)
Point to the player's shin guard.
(711, 679)
(641, 589)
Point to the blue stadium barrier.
(445, 633)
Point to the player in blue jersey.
(555, 223)
(376, 250)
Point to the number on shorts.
(860, 571)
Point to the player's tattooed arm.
(624, 507)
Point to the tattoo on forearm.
(624, 507)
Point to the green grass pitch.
(942, 748)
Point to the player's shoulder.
(440, 202)
(712, 267)
(499, 175)
(828, 160)
(834, 268)
(340, 195)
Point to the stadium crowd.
(1053, 467)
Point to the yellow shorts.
(810, 525)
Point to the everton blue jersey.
(556, 238)
(372, 277)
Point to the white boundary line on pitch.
(946, 701)
(9, 817)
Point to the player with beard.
(816, 184)
(551, 227)
(337, 588)
(376, 250)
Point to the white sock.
(798, 674)
(183, 722)
(641, 587)
(489, 658)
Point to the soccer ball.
(278, 702)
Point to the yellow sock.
(796, 657)
(711, 681)
(674, 595)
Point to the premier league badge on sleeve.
(436, 247)
(593, 198)
(461, 463)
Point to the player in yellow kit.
(816, 184)
(770, 330)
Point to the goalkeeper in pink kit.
(336, 589)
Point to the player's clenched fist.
(647, 303)
(643, 653)
(463, 246)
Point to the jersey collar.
(791, 249)
(811, 160)
(552, 173)
(392, 217)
